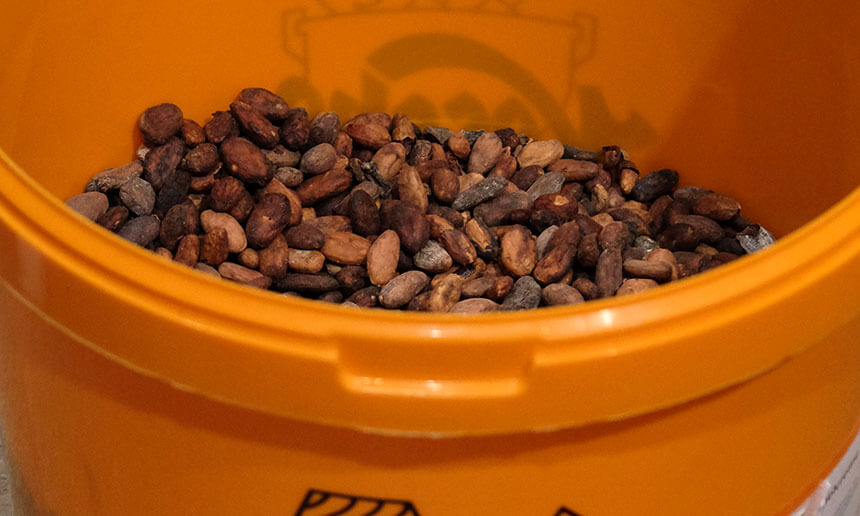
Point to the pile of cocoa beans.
(378, 212)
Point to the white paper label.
(839, 493)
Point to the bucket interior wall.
(751, 99)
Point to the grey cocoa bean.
(140, 230)
(433, 258)
(526, 294)
(485, 190)
(138, 196)
(546, 184)
(91, 205)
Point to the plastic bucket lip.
(593, 334)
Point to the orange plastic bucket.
(131, 385)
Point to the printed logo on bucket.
(326, 503)
(470, 65)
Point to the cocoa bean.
(382, 257)
(114, 178)
(458, 246)
(635, 285)
(518, 251)
(113, 218)
(345, 248)
(484, 154)
(525, 295)
(305, 236)
(401, 289)
(188, 250)
(254, 124)
(236, 238)
(324, 186)
(656, 270)
(557, 294)
(91, 205)
(309, 284)
(608, 272)
(220, 127)
(244, 160)
(271, 105)
(296, 129)
(483, 191)
(202, 159)
(475, 306)
(159, 123)
(309, 262)
(365, 297)
(192, 133)
(351, 278)
(319, 159)
(483, 239)
(239, 274)
(587, 288)
(411, 226)
(432, 258)
(160, 164)
(574, 170)
(654, 185)
(140, 230)
(274, 260)
(180, 220)
(525, 177)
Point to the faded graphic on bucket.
(490, 64)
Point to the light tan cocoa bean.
(192, 133)
(305, 261)
(635, 285)
(475, 305)
(665, 256)
(445, 293)
(402, 128)
(459, 145)
(518, 251)
(438, 225)
(250, 258)
(382, 257)
(389, 159)
(656, 270)
(485, 153)
(540, 153)
(346, 248)
(236, 238)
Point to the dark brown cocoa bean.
(559, 256)
(574, 170)
(274, 259)
(587, 288)
(654, 185)
(159, 123)
(271, 105)
(296, 130)
(305, 236)
(363, 214)
(220, 127)
(226, 192)
(254, 124)
(588, 251)
(366, 297)
(180, 220)
(678, 237)
(268, 218)
(615, 235)
(507, 208)
(308, 284)
(202, 159)
(113, 218)
(160, 164)
(525, 177)
(244, 160)
(656, 270)
(608, 272)
(411, 226)
(173, 192)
